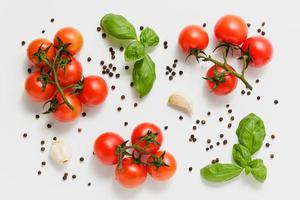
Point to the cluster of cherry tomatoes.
(58, 79)
(232, 32)
(136, 160)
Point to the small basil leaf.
(143, 75)
(251, 132)
(220, 172)
(134, 51)
(247, 170)
(118, 26)
(149, 38)
(241, 155)
(258, 170)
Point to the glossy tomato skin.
(193, 37)
(34, 88)
(105, 147)
(71, 74)
(142, 130)
(162, 173)
(33, 48)
(70, 35)
(231, 29)
(94, 91)
(132, 174)
(63, 113)
(260, 49)
(224, 88)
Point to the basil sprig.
(251, 133)
(143, 73)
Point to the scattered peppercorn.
(208, 113)
(126, 67)
(263, 33)
(29, 70)
(98, 29)
(275, 102)
(117, 75)
(220, 119)
(273, 136)
(131, 84)
(83, 114)
(227, 105)
(39, 172)
(225, 142)
(166, 127)
(89, 184)
(258, 98)
(248, 24)
(121, 49)
(89, 59)
(243, 92)
(229, 125)
(263, 23)
(204, 25)
(24, 135)
(208, 141)
(259, 30)
(135, 104)
(103, 35)
(79, 130)
(206, 149)
(197, 121)
(125, 123)
(43, 163)
(272, 156)
(190, 169)
(52, 20)
(221, 135)
(170, 78)
(231, 118)
(218, 143)
(203, 122)
(37, 116)
(194, 127)
(49, 126)
(73, 176)
(267, 145)
(102, 62)
(180, 117)
(230, 111)
(257, 81)
(180, 72)
(141, 28)
(248, 93)
(211, 146)
(123, 97)
(42, 149)
(113, 87)
(119, 109)
(42, 142)
(81, 159)
(23, 43)
(54, 138)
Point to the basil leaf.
(118, 26)
(251, 132)
(220, 172)
(149, 38)
(143, 75)
(241, 155)
(258, 170)
(134, 51)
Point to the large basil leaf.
(220, 172)
(143, 75)
(134, 51)
(251, 132)
(241, 155)
(149, 38)
(118, 26)
(258, 170)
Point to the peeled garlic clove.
(60, 152)
(178, 100)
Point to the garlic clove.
(180, 101)
(60, 152)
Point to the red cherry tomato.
(94, 91)
(35, 90)
(141, 130)
(71, 74)
(193, 37)
(132, 174)
(227, 82)
(34, 47)
(105, 147)
(162, 173)
(70, 35)
(260, 49)
(231, 29)
(63, 113)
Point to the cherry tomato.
(105, 147)
(220, 84)
(71, 74)
(132, 174)
(162, 173)
(260, 49)
(141, 130)
(193, 37)
(94, 91)
(35, 90)
(70, 35)
(231, 29)
(63, 113)
(34, 47)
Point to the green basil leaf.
(220, 172)
(251, 132)
(143, 75)
(258, 170)
(149, 38)
(118, 26)
(134, 51)
(241, 155)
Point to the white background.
(20, 158)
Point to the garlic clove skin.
(60, 152)
(180, 101)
